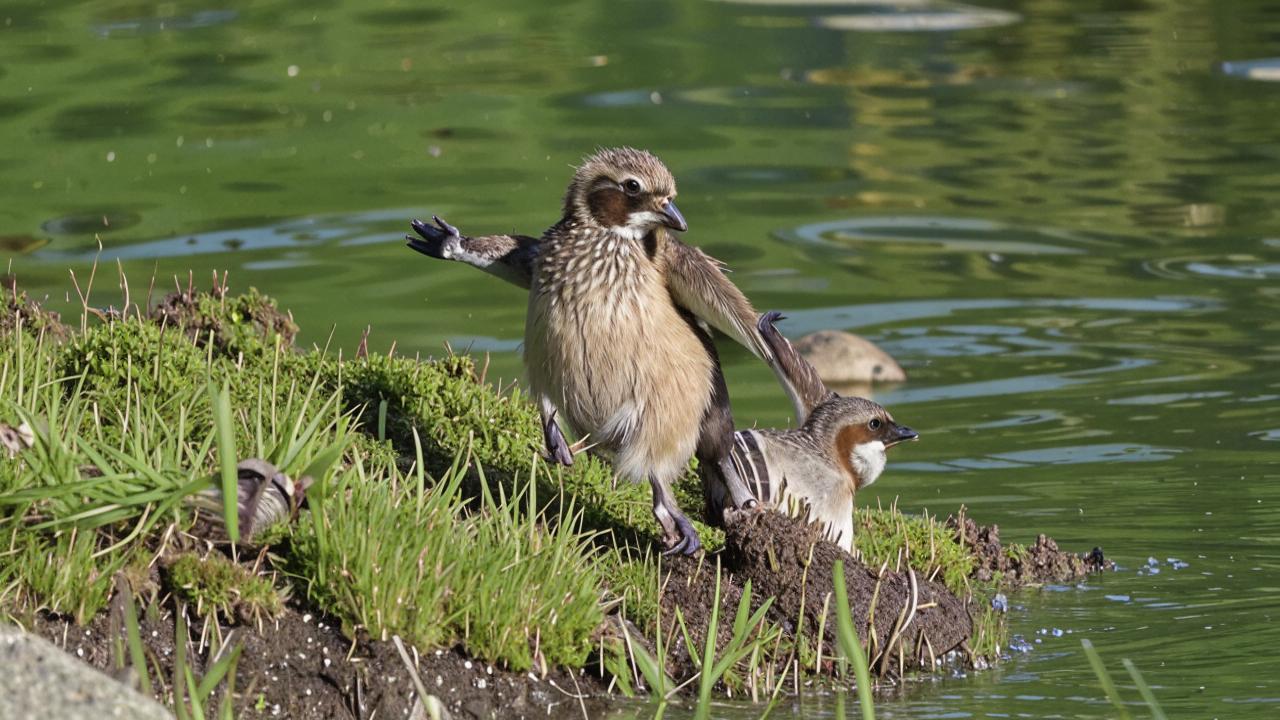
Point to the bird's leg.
(722, 484)
(557, 449)
(678, 534)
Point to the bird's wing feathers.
(796, 375)
(697, 283)
(509, 257)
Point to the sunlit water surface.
(1059, 215)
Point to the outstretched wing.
(509, 257)
(797, 376)
(698, 284)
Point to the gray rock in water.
(842, 358)
(41, 681)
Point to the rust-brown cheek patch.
(609, 206)
(849, 437)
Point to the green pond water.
(1060, 215)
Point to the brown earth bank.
(302, 664)
(904, 619)
(1041, 562)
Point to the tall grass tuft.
(511, 587)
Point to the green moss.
(113, 356)
(215, 584)
(1016, 552)
(883, 535)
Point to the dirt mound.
(301, 665)
(1020, 565)
(17, 310)
(232, 324)
(904, 619)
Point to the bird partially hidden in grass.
(814, 470)
(265, 496)
(615, 338)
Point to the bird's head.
(628, 192)
(859, 432)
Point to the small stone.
(843, 358)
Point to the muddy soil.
(1037, 564)
(19, 310)
(255, 313)
(301, 665)
(908, 620)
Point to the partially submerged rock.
(842, 358)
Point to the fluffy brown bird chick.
(613, 342)
(815, 470)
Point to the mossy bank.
(412, 504)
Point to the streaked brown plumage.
(815, 470)
(612, 343)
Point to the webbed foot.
(441, 240)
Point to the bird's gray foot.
(441, 240)
(689, 542)
(678, 534)
(557, 449)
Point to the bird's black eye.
(874, 424)
(631, 186)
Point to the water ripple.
(947, 233)
(1070, 455)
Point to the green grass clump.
(509, 586)
(215, 584)
(58, 573)
(885, 535)
(117, 357)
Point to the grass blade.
(1104, 678)
(1145, 690)
(227, 460)
(849, 645)
(136, 654)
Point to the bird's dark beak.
(899, 434)
(672, 218)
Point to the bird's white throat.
(638, 225)
(868, 460)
